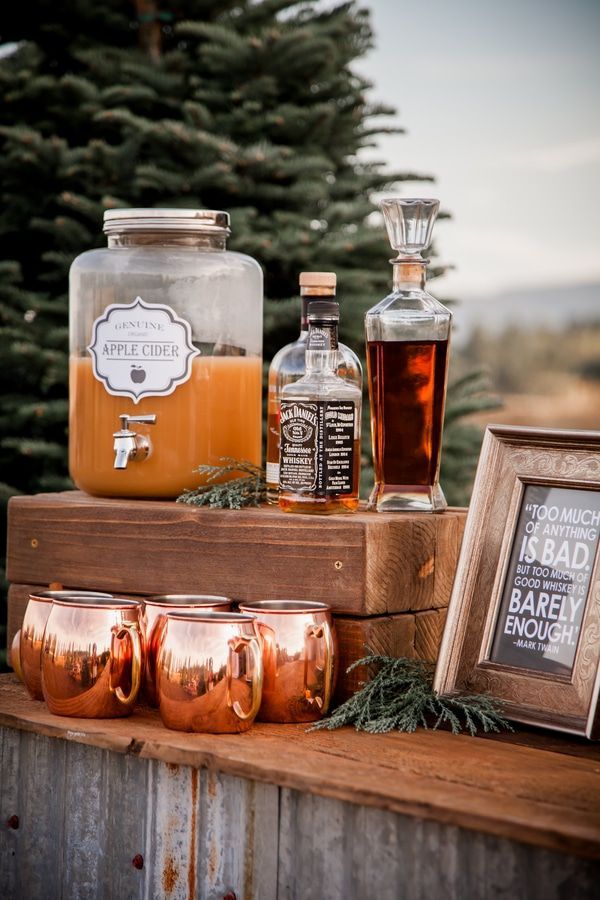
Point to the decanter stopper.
(409, 224)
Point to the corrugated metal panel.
(85, 814)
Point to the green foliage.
(466, 395)
(400, 697)
(249, 489)
(251, 106)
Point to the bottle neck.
(307, 295)
(409, 274)
(189, 240)
(322, 347)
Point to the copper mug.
(155, 609)
(209, 672)
(299, 655)
(92, 657)
(26, 650)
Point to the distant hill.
(550, 307)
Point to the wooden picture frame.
(524, 617)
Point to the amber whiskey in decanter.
(407, 356)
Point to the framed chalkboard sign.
(524, 618)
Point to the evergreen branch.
(470, 394)
(249, 489)
(400, 697)
(35, 448)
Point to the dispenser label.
(141, 350)
(317, 446)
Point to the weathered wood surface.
(365, 564)
(87, 811)
(524, 793)
(202, 834)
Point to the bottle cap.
(318, 279)
(323, 309)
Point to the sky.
(500, 100)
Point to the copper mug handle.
(320, 632)
(252, 646)
(130, 631)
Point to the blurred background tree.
(252, 107)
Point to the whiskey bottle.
(289, 365)
(407, 356)
(319, 458)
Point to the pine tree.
(252, 107)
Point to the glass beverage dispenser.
(408, 335)
(165, 354)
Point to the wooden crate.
(387, 577)
(126, 808)
(364, 564)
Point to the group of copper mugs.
(206, 667)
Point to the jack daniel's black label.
(322, 337)
(317, 446)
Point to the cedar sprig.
(400, 697)
(249, 489)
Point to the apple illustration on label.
(138, 374)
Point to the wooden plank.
(312, 830)
(81, 841)
(126, 787)
(261, 846)
(412, 559)
(429, 627)
(40, 816)
(10, 827)
(364, 564)
(528, 794)
(530, 736)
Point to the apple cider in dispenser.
(165, 354)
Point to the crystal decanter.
(407, 337)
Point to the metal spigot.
(129, 445)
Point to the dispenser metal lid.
(211, 221)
